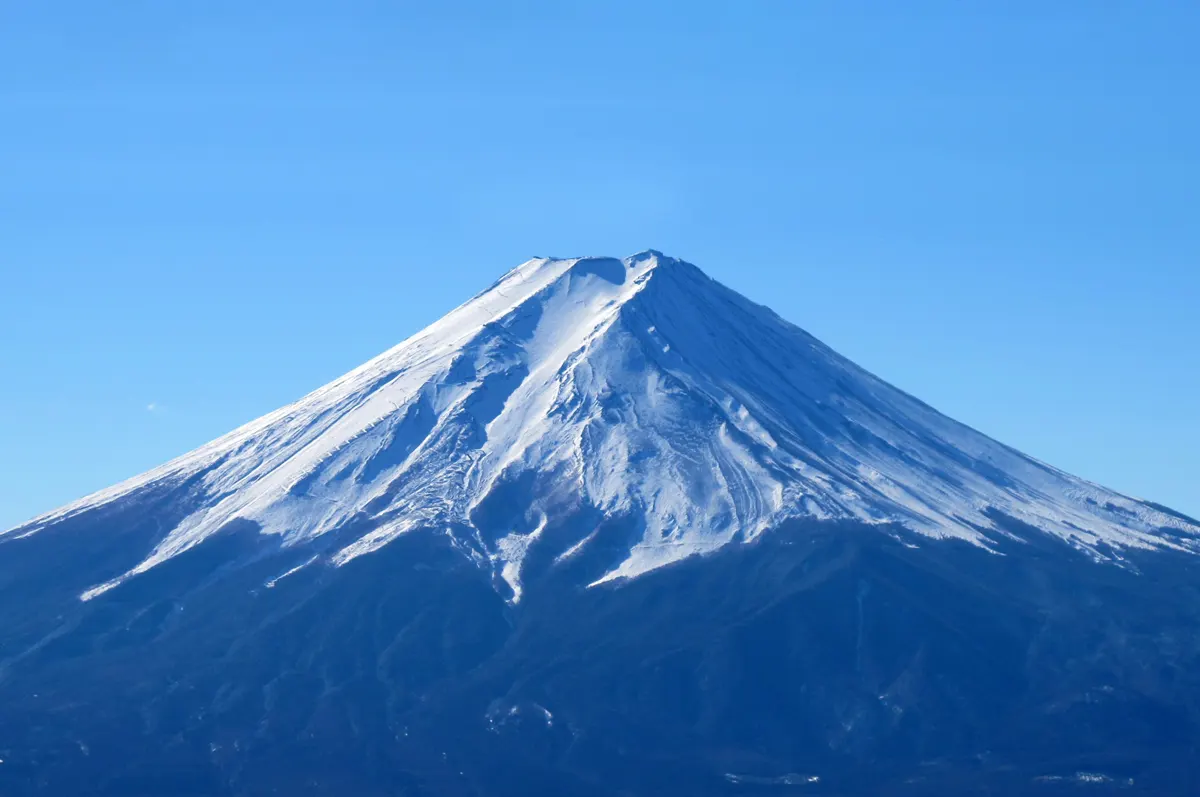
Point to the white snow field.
(635, 388)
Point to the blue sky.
(209, 208)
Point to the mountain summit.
(638, 391)
(608, 529)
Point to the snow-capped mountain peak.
(576, 394)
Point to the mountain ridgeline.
(608, 528)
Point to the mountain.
(608, 528)
(636, 389)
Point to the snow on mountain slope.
(639, 389)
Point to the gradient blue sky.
(209, 208)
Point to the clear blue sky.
(209, 208)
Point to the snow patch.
(271, 583)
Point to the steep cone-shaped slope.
(636, 389)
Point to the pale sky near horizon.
(208, 209)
